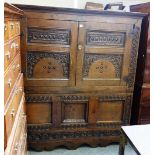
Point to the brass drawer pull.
(9, 82)
(8, 55)
(12, 25)
(19, 90)
(17, 46)
(12, 113)
(18, 66)
(80, 47)
(13, 45)
(16, 147)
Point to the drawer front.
(6, 31)
(19, 133)
(13, 108)
(8, 56)
(10, 51)
(145, 96)
(11, 76)
(15, 46)
(13, 28)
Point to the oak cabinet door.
(51, 47)
(105, 52)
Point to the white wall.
(72, 3)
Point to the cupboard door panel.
(103, 54)
(51, 53)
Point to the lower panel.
(45, 138)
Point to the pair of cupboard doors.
(72, 53)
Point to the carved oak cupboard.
(79, 70)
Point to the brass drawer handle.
(9, 82)
(17, 46)
(18, 66)
(8, 55)
(16, 147)
(19, 90)
(12, 112)
(13, 45)
(12, 25)
(80, 47)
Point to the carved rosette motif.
(34, 57)
(133, 57)
(49, 36)
(103, 38)
(38, 98)
(89, 59)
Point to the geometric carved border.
(104, 38)
(48, 135)
(38, 98)
(116, 60)
(133, 57)
(34, 57)
(49, 36)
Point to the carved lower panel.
(103, 38)
(52, 61)
(65, 135)
(102, 67)
(49, 36)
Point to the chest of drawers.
(14, 100)
(79, 70)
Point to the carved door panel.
(110, 110)
(105, 53)
(51, 47)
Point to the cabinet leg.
(122, 144)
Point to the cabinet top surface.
(78, 11)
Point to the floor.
(85, 150)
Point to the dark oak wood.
(141, 98)
(79, 71)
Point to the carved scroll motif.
(89, 59)
(103, 38)
(34, 57)
(49, 36)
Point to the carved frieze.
(112, 98)
(49, 36)
(133, 57)
(103, 38)
(38, 98)
(89, 59)
(47, 136)
(73, 98)
(61, 58)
